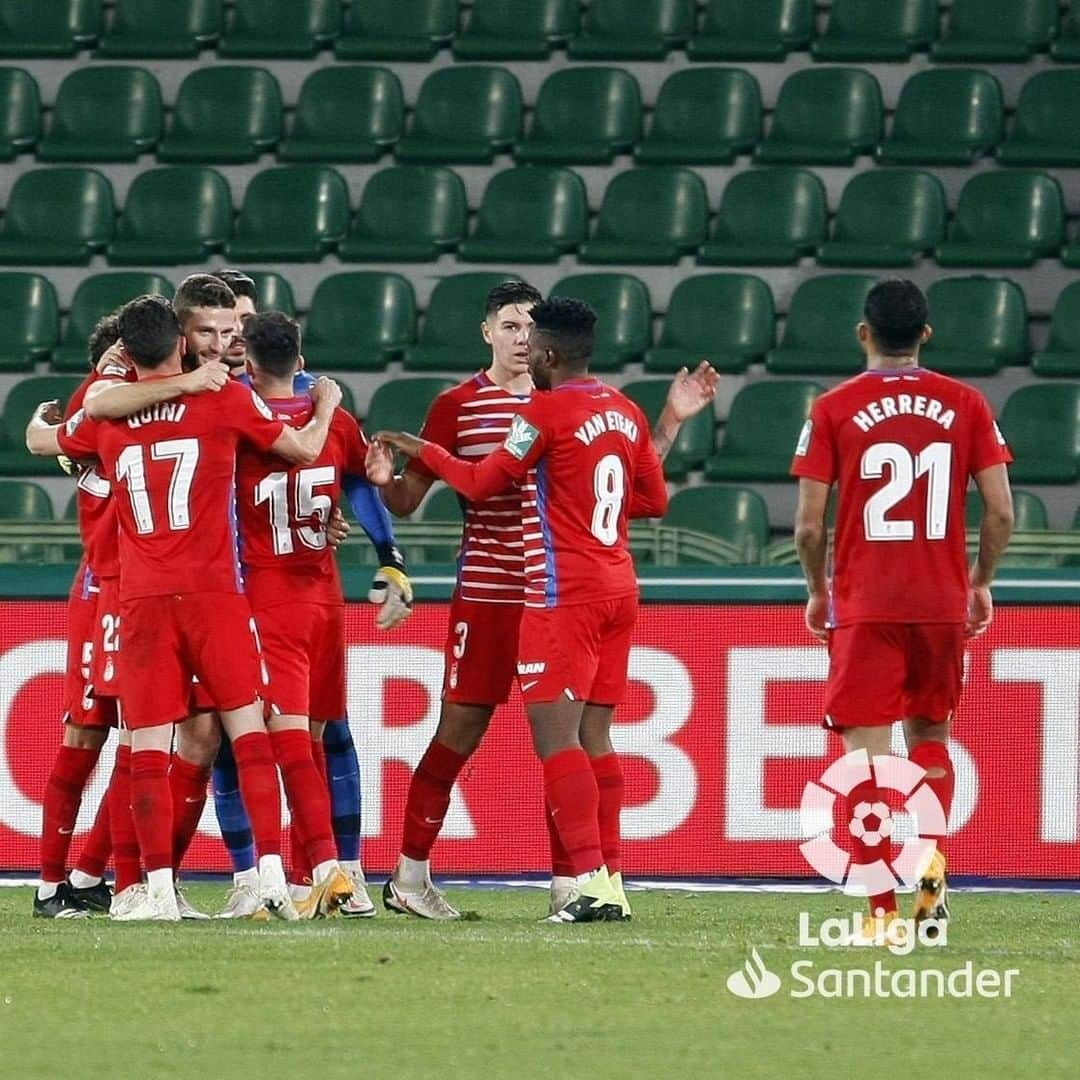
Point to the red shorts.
(169, 639)
(104, 674)
(883, 672)
(303, 647)
(79, 706)
(481, 652)
(580, 649)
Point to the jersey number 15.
(307, 503)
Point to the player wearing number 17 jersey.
(901, 443)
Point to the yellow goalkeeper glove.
(392, 591)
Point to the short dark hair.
(510, 292)
(105, 334)
(240, 283)
(895, 311)
(273, 342)
(568, 324)
(201, 290)
(150, 330)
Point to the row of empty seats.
(653, 215)
(363, 320)
(1040, 421)
(588, 115)
(998, 30)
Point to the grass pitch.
(499, 995)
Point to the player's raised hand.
(379, 464)
(337, 528)
(113, 357)
(47, 413)
(408, 444)
(691, 391)
(980, 611)
(326, 394)
(206, 378)
(817, 612)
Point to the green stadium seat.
(104, 114)
(980, 326)
(359, 321)
(727, 319)
(19, 405)
(623, 316)
(1029, 511)
(529, 214)
(1005, 219)
(753, 450)
(407, 213)
(651, 215)
(1065, 48)
(887, 217)
(824, 116)
(173, 214)
(737, 515)
(1041, 424)
(277, 29)
(161, 29)
(703, 116)
(945, 117)
(396, 29)
(767, 217)
(697, 436)
(29, 320)
(20, 112)
(633, 29)
(23, 500)
(583, 116)
(402, 404)
(464, 114)
(223, 114)
(1046, 125)
(876, 31)
(292, 213)
(443, 507)
(57, 217)
(1062, 353)
(51, 28)
(449, 338)
(819, 333)
(275, 292)
(763, 30)
(96, 296)
(996, 31)
(345, 113)
(516, 29)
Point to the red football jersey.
(173, 468)
(900, 445)
(94, 506)
(284, 510)
(594, 460)
(471, 420)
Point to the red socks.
(561, 866)
(609, 779)
(864, 853)
(309, 800)
(151, 807)
(63, 796)
(188, 785)
(125, 843)
(429, 797)
(573, 799)
(98, 847)
(259, 790)
(935, 756)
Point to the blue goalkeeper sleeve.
(231, 815)
(374, 518)
(343, 780)
(302, 382)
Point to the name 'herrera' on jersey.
(903, 405)
(609, 420)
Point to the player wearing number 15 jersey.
(901, 443)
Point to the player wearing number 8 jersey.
(901, 443)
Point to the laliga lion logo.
(870, 822)
(754, 979)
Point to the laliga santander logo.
(870, 822)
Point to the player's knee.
(81, 738)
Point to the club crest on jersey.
(804, 439)
(261, 405)
(520, 437)
(74, 421)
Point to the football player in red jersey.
(595, 467)
(900, 442)
(182, 606)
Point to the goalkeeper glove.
(391, 590)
